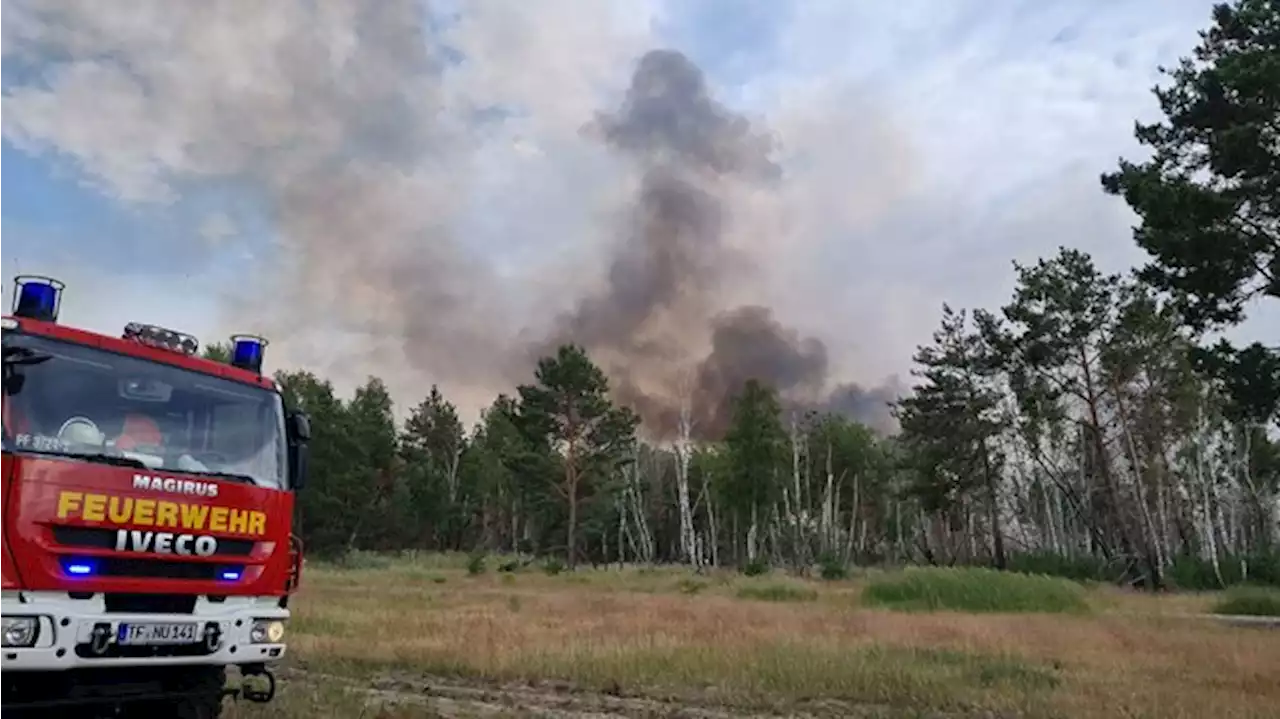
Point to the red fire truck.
(148, 506)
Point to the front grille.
(157, 569)
(118, 603)
(96, 538)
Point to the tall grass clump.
(476, 562)
(778, 593)
(1081, 568)
(974, 590)
(1249, 601)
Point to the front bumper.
(65, 639)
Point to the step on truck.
(148, 499)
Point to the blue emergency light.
(78, 567)
(229, 575)
(247, 351)
(36, 297)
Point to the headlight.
(21, 631)
(267, 631)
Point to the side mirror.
(299, 429)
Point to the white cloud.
(216, 228)
(1005, 114)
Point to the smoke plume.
(661, 326)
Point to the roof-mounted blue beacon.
(247, 351)
(37, 298)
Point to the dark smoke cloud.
(669, 115)
(748, 343)
(660, 328)
(869, 405)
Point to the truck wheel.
(203, 700)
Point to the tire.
(203, 696)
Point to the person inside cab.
(141, 437)
(140, 433)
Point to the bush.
(1185, 572)
(974, 590)
(831, 568)
(509, 566)
(756, 568)
(476, 563)
(1194, 573)
(778, 593)
(553, 566)
(1249, 601)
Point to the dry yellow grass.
(666, 634)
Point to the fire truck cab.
(148, 499)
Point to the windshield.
(63, 398)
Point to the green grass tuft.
(1249, 601)
(778, 593)
(974, 590)
(691, 586)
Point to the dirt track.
(454, 699)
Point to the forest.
(1096, 426)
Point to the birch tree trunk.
(688, 537)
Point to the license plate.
(158, 633)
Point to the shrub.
(778, 593)
(512, 565)
(974, 590)
(1196, 573)
(553, 566)
(831, 568)
(476, 563)
(1250, 601)
(756, 568)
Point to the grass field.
(422, 637)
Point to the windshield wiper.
(24, 356)
(243, 478)
(111, 459)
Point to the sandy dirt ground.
(442, 697)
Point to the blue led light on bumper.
(79, 567)
(230, 574)
(247, 351)
(37, 298)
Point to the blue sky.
(927, 145)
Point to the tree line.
(1093, 426)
